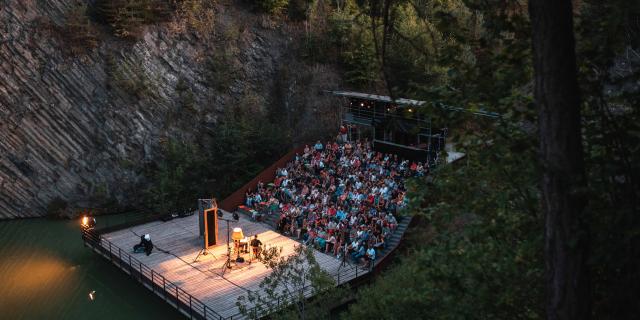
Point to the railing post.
(119, 257)
(164, 289)
(177, 299)
(110, 256)
(140, 276)
(153, 283)
(130, 266)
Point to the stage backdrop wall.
(232, 202)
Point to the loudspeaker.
(203, 204)
(212, 228)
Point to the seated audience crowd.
(340, 198)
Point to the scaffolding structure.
(393, 125)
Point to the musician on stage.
(255, 246)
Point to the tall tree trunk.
(561, 155)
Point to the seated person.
(358, 254)
(255, 215)
(378, 242)
(330, 244)
(255, 246)
(145, 245)
(370, 256)
(321, 242)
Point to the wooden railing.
(179, 298)
(265, 308)
(171, 293)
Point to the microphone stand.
(227, 264)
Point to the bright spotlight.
(88, 222)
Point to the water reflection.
(46, 273)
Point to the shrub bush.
(194, 15)
(56, 207)
(272, 6)
(130, 77)
(128, 17)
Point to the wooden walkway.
(177, 245)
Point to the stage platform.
(177, 245)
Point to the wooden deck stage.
(177, 244)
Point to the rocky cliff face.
(78, 126)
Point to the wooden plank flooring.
(177, 245)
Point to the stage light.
(219, 214)
(362, 104)
(87, 222)
(92, 295)
(410, 110)
(237, 234)
(236, 216)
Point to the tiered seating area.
(340, 198)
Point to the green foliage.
(240, 145)
(195, 15)
(478, 252)
(608, 60)
(131, 77)
(272, 6)
(128, 17)
(56, 207)
(222, 68)
(299, 9)
(481, 256)
(175, 179)
(290, 278)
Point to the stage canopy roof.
(409, 102)
(374, 97)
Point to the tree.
(283, 294)
(476, 251)
(561, 155)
